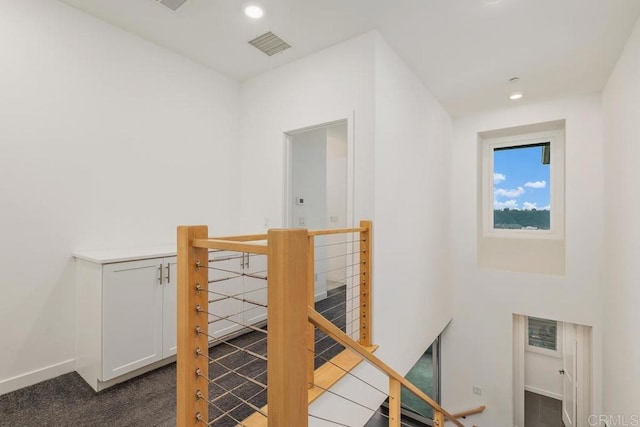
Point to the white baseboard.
(543, 392)
(34, 377)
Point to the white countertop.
(107, 256)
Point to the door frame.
(519, 343)
(583, 367)
(287, 185)
(583, 370)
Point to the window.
(523, 185)
(543, 333)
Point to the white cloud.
(529, 206)
(537, 184)
(546, 208)
(511, 204)
(498, 178)
(514, 192)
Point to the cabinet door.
(225, 293)
(132, 316)
(169, 306)
(255, 289)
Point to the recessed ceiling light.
(253, 10)
(516, 95)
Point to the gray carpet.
(150, 399)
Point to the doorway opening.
(318, 195)
(552, 372)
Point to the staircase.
(293, 380)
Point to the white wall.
(412, 290)
(336, 83)
(397, 119)
(541, 374)
(107, 141)
(622, 234)
(480, 334)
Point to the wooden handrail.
(243, 238)
(250, 247)
(336, 231)
(474, 411)
(334, 332)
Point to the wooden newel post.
(365, 283)
(288, 328)
(192, 370)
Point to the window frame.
(556, 184)
(544, 351)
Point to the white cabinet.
(126, 316)
(225, 292)
(236, 282)
(126, 308)
(132, 317)
(255, 289)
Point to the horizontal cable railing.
(254, 346)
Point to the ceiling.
(465, 51)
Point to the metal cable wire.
(223, 413)
(239, 293)
(226, 374)
(340, 268)
(363, 381)
(227, 258)
(224, 279)
(328, 420)
(336, 256)
(210, 381)
(235, 407)
(339, 243)
(342, 397)
(253, 328)
(220, 340)
(327, 360)
(244, 350)
(254, 275)
(234, 297)
(238, 386)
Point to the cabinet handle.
(168, 272)
(160, 271)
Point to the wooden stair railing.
(291, 320)
(395, 379)
(474, 411)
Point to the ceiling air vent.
(172, 4)
(269, 43)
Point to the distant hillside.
(516, 220)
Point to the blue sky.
(520, 180)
